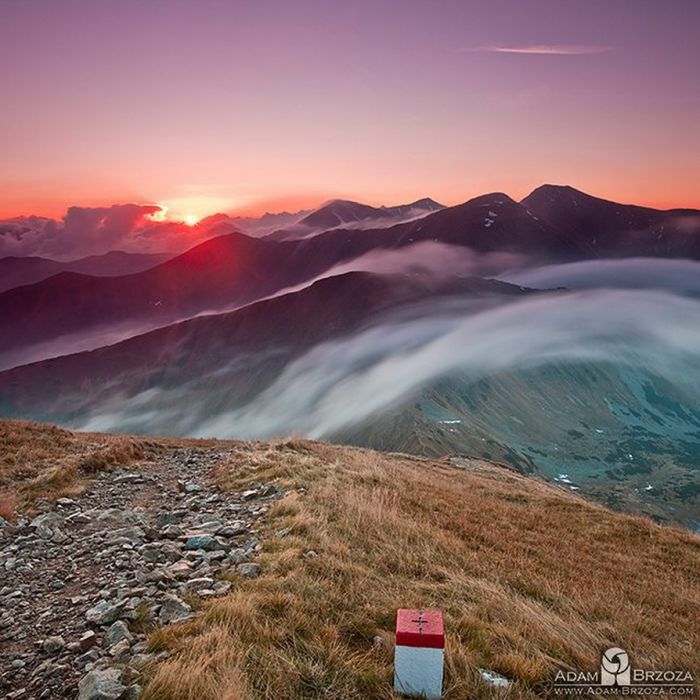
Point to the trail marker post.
(419, 657)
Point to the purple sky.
(206, 105)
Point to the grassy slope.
(46, 462)
(531, 577)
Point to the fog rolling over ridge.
(343, 382)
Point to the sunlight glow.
(192, 209)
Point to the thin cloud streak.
(540, 49)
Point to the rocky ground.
(84, 582)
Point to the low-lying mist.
(343, 382)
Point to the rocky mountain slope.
(157, 568)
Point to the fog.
(340, 383)
(677, 275)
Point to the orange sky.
(245, 107)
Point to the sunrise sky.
(206, 106)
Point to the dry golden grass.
(531, 579)
(45, 462)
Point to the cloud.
(675, 275)
(341, 383)
(96, 230)
(540, 49)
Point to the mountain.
(340, 213)
(610, 418)
(224, 359)
(625, 438)
(224, 271)
(491, 223)
(257, 226)
(18, 271)
(235, 269)
(609, 229)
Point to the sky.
(206, 105)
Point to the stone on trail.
(205, 542)
(87, 641)
(118, 631)
(173, 609)
(101, 685)
(52, 645)
(104, 613)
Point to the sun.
(191, 220)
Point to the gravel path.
(82, 583)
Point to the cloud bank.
(675, 275)
(87, 231)
(338, 384)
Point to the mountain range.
(388, 327)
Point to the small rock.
(171, 532)
(46, 533)
(222, 587)
(494, 679)
(129, 478)
(237, 556)
(191, 487)
(311, 554)
(88, 657)
(173, 609)
(249, 570)
(105, 613)
(205, 542)
(117, 632)
(65, 502)
(249, 494)
(48, 520)
(52, 645)
(101, 685)
(138, 661)
(119, 649)
(232, 529)
(87, 641)
(59, 537)
(198, 584)
(180, 570)
(133, 692)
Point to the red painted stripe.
(420, 628)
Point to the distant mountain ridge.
(342, 213)
(552, 224)
(608, 228)
(19, 271)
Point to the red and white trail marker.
(419, 657)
